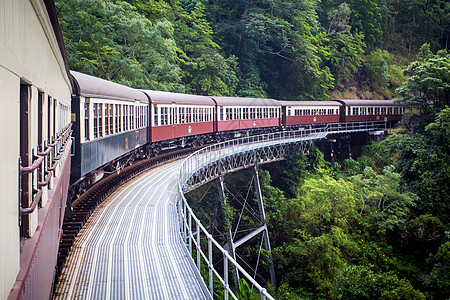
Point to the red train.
(115, 124)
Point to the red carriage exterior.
(370, 110)
(234, 113)
(310, 112)
(174, 115)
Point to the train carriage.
(35, 104)
(371, 110)
(111, 121)
(180, 118)
(309, 112)
(247, 114)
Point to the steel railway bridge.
(145, 242)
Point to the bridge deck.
(131, 248)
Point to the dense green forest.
(372, 228)
(376, 227)
(287, 50)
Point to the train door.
(173, 119)
(342, 112)
(283, 114)
(24, 155)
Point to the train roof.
(310, 103)
(369, 102)
(240, 101)
(90, 86)
(158, 97)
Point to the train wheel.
(156, 150)
(148, 152)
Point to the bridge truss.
(220, 159)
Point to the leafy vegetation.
(372, 228)
(376, 227)
(295, 50)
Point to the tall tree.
(429, 80)
(109, 39)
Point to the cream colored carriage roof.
(90, 86)
(158, 97)
(240, 101)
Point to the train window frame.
(377, 110)
(95, 119)
(106, 119)
(86, 121)
(100, 120)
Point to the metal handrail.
(65, 135)
(41, 155)
(201, 158)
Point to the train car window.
(116, 119)
(165, 116)
(125, 117)
(49, 100)
(95, 121)
(155, 116)
(40, 120)
(110, 114)
(349, 111)
(132, 120)
(86, 121)
(128, 111)
(119, 114)
(354, 111)
(173, 112)
(100, 119)
(377, 110)
(395, 110)
(106, 119)
(390, 110)
(131, 125)
(370, 110)
(383, 110)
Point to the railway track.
(85, 205)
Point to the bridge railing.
(211, 154)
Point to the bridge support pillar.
(263, 221)
(230, 244)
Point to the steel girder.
(244, 160)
